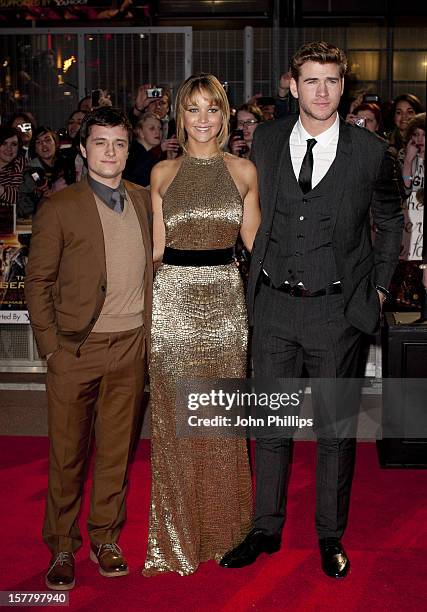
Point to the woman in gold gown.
(201, 495)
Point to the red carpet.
(386, 541)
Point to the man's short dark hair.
(107, 116)
(320, 52)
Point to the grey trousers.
(291, 333)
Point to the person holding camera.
(47, 172)
(155, 100)
(367, 115)
(147, 149)
(24, 122)
(248, 117)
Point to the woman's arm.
(410, 154)
(251, 211)
(159, 233)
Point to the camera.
(373, 98)
(238, 134)
(155, 92)
(360, 121)
(24, 127)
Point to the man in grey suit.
(316, 283)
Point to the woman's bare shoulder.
(163, 174)
(167, 166)
(239, 165)
(163, 170)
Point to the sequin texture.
(201, 498)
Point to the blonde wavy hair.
(210, 88)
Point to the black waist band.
(298, 291)
(213, 257)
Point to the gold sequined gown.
(201, 497)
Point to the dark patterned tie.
(306, 171)
(116, 202)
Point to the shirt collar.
(325, 138)
(104, 192)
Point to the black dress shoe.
(255, 543)
(60, 575)
(335, 562)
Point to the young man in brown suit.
(89, 290)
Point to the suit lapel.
(341, 168)
(90, 223)
(279, 168)
(142, 218)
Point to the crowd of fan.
(36, 161)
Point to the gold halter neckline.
(205, 161)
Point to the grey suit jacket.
(367, 183)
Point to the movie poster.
(14, 248)
(12, 11)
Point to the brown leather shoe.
(60, 575)
(110, 560)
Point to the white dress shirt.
(324, 150)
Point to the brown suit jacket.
(66, 279)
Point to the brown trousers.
(99, 391)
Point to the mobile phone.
(95, 97)
(38, 178)
(24, 127)
(155, 92)
(371, 98)
(239, 134)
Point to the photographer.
(24, 122)
(367, 115)
(147, 149)
(155, 100)
(47, 172)
(249, 116)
